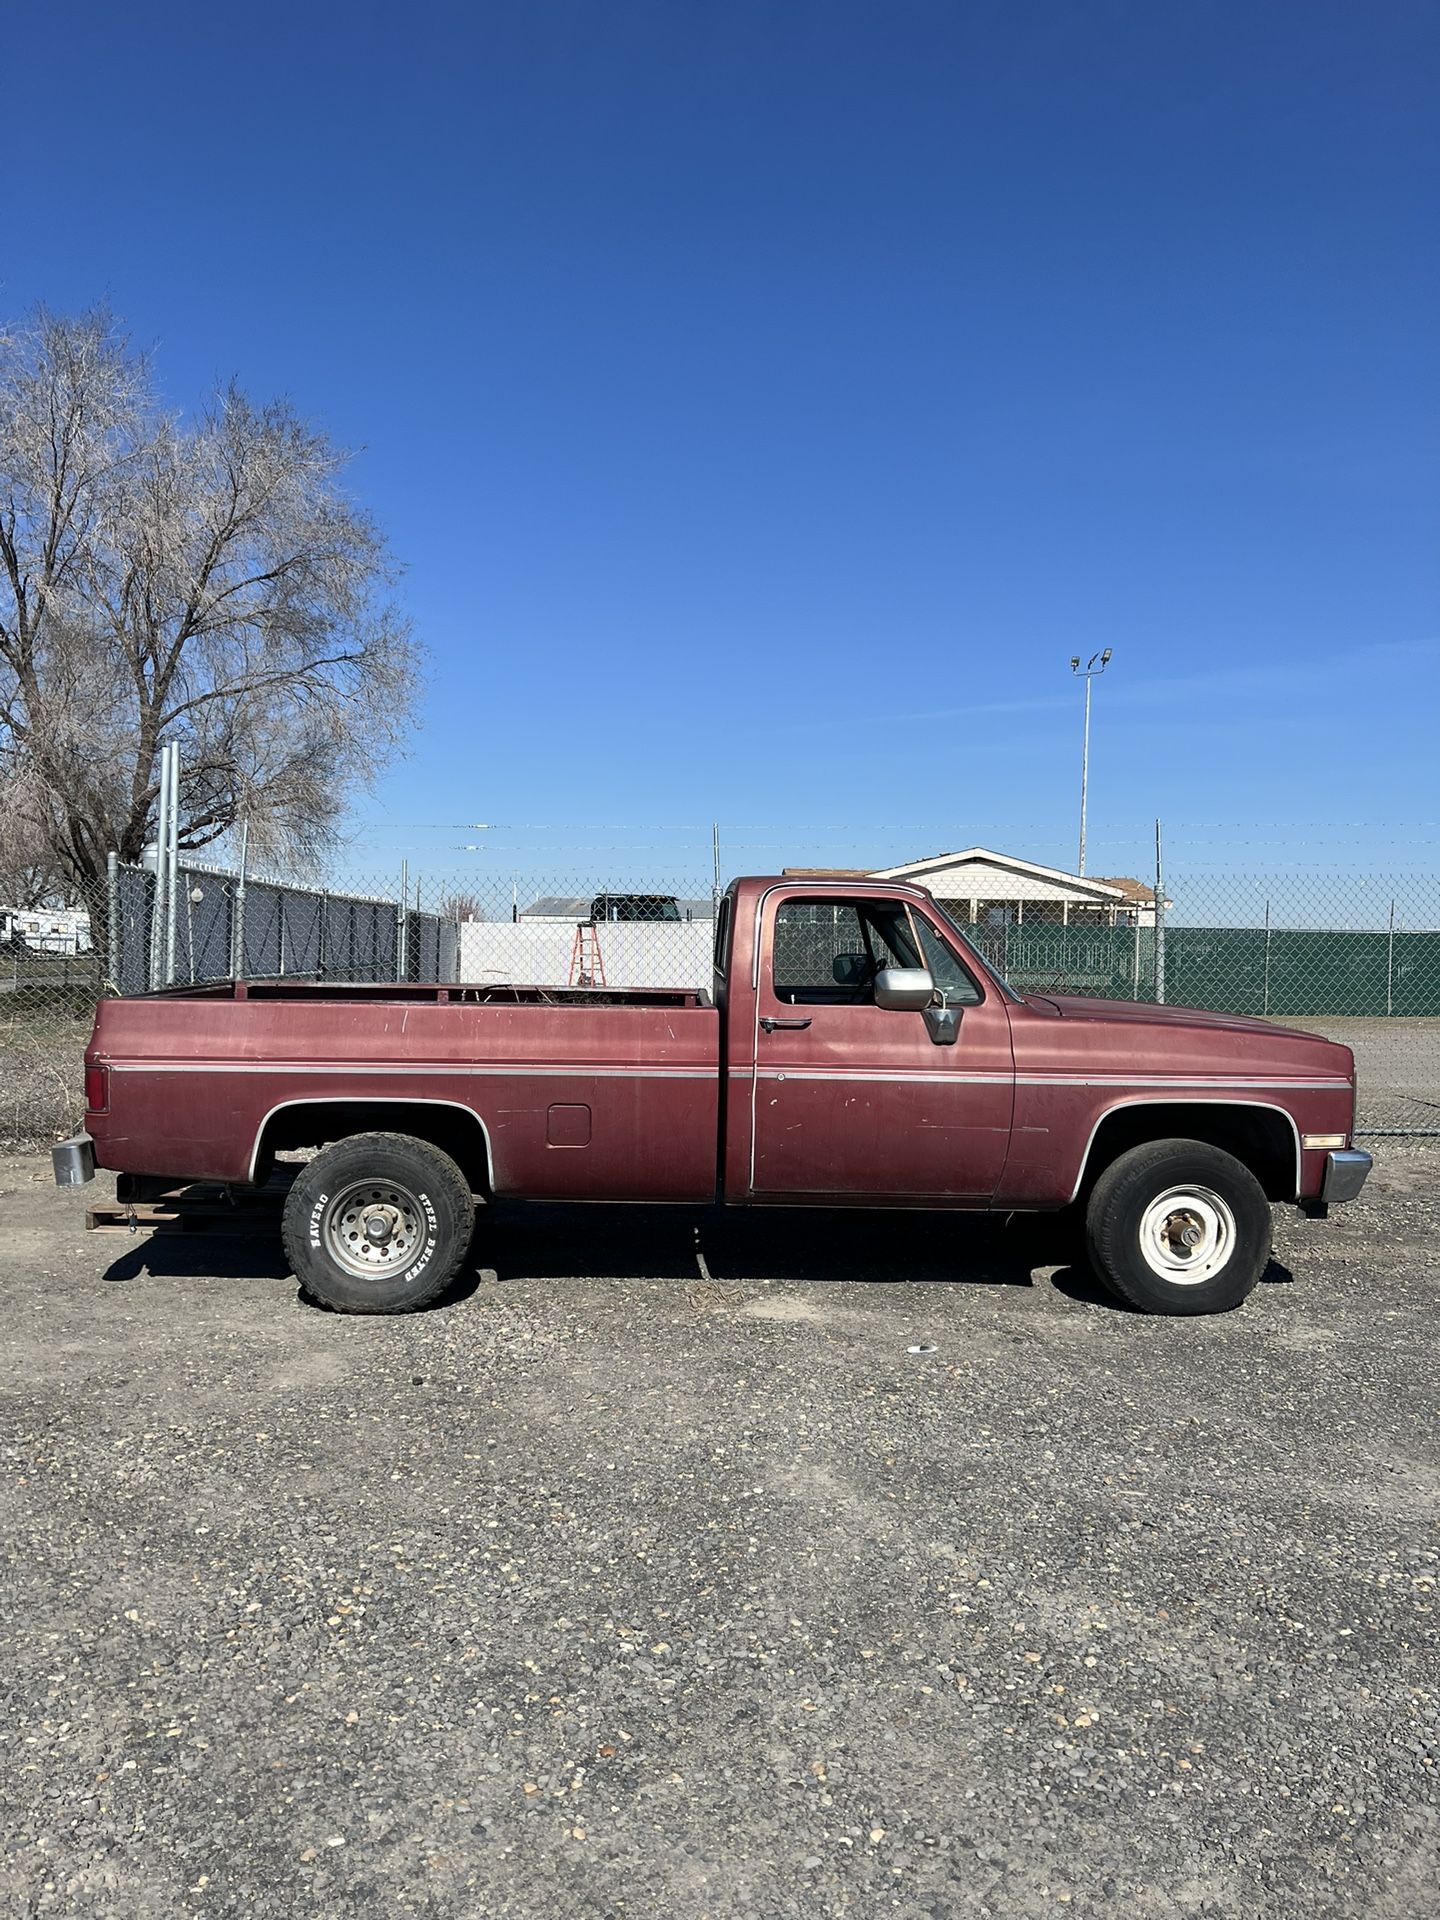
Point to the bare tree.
(206, 581)
(462, 906)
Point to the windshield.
(991, 972)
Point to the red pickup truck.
(855, 1051)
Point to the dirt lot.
(619, 1587)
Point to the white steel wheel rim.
(373, 1229)
(1187, 1234)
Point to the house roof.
(1135, 890)
(558, 906)
(1076, 882)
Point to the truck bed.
(574, 1093)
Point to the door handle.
(770, 1023)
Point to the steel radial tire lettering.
(378, 1223)
(1179, 1227)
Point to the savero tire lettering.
(433, 1224)
(322, 1201)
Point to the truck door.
(857, 1101)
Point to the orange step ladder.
(587, 963)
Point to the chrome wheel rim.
(1187, 1234)
(373, 1228)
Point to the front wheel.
(1179, 1227)
(378, 1223)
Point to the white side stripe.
(364, 1069)
(579, 1070)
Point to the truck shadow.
(810, 1246)
(538, 1246)
(813, 1246)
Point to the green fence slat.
(1285, 972)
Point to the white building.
(46, 929)
(981, 888)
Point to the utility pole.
(1092, 670)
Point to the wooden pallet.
(201, 1208)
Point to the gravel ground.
(623, 1586)
(41, 1079)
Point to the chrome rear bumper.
(74, 1161)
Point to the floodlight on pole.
(1092, 670)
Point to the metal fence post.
(112, 918)
(172, 862)
(157, 897)
(237, 921)
(402, 924)
(1159, 919)
(1390, 964)
(1265, 995)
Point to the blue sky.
(767, 400)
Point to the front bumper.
(74, 1161)
(1345, 1174)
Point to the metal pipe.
(1159, 919)
(1084, 777)
(1087, 673)
(112, 918)
(172, 903)
(402, 925)
(157, 895)
(1390, 964)
(237, 918)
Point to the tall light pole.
(1092, 669)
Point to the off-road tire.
(400, 1185)
(1146, 1202)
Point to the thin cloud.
(980, 710)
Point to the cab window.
(828, 952)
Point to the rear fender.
(383, 1116)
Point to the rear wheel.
(1179, 1227)
(378, 1223)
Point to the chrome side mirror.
(904, 989)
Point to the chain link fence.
(226, 927)
(1357, 958)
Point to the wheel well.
(1261, 1138)
(316, 1123)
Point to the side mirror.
(904, 989)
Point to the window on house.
(995, 913)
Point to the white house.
(46, 929)
(986, 889)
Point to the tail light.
(97, 1089)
